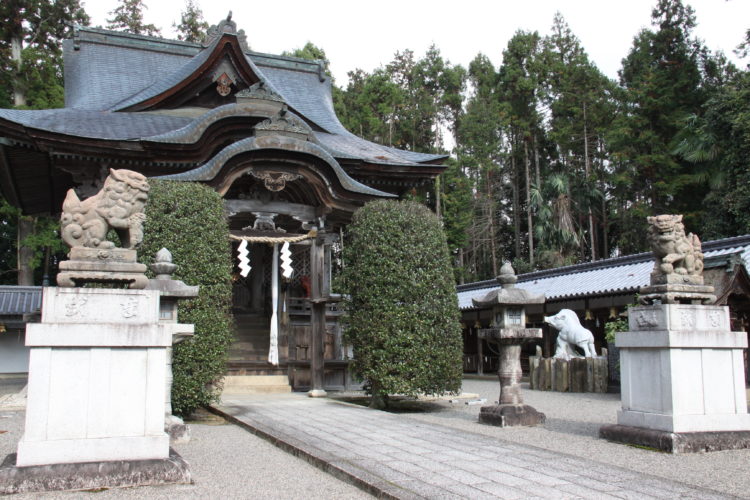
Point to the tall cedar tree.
(192, 27)
(402, 310)
(128, 17)
(663, 84)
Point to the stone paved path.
(392, 456)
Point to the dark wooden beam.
(296, 210)
(7, 185)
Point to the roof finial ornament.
(226, 26)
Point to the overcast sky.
(366, 34)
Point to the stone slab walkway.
(392, 456)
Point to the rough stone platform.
(92, 475)
(394, 457)
(676, 442)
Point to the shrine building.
(259, 129)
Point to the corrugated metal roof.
(604, 277)
(19, 300)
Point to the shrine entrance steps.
(256, 384)
(248, 369)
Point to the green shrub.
(188, 219)
(613, 327)
(402, 311)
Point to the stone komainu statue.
(675, 252)
(119, 206)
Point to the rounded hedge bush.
(402, 310)
(188, 219)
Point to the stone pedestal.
(510, 411)
(102, 265)
(97, 372)
(682, 380)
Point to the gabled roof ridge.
(152, 41)
(708, 246)
(179, 47)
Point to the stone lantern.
(508, 331)
(171, 291)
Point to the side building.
(600, 292)
(259, 129)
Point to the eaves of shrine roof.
(136, 126)
(619, 275)
(95, 124)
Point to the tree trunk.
(516, 208)
(536, 163)
(491, 215)
(529, 217)
(461, 266)
(378, 399)
(19, 96)
(438, 211)
(588, 173)
(25, 254)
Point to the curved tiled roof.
(106, 71)
(95, 124)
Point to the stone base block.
(92, 475)
(510, 415)
(59, 451)
(676, 442)
(674, 293)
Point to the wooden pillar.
(318, 316)
(257, 261)
(480, 354)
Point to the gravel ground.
(226, 462)
(572, 427)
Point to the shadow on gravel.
(396, 404)
(573, 427)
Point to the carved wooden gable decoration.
(210, 79)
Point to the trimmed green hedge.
(188, 219)
(402, 310)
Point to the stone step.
(256, 384)
(248, 346)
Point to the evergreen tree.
(663, 82)
(192, 27)
(519, 84)
(402, 311)
(31, 77)
(31, 33)
(128, 17)
(311, 52)
(479, 152)
(580, 103)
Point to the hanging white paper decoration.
(286, 261)
(242, 255)
(273, 349)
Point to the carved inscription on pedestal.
(687, 318)
(75, 307)
(129, 307)
(91, 305)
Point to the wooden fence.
(568, 375)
